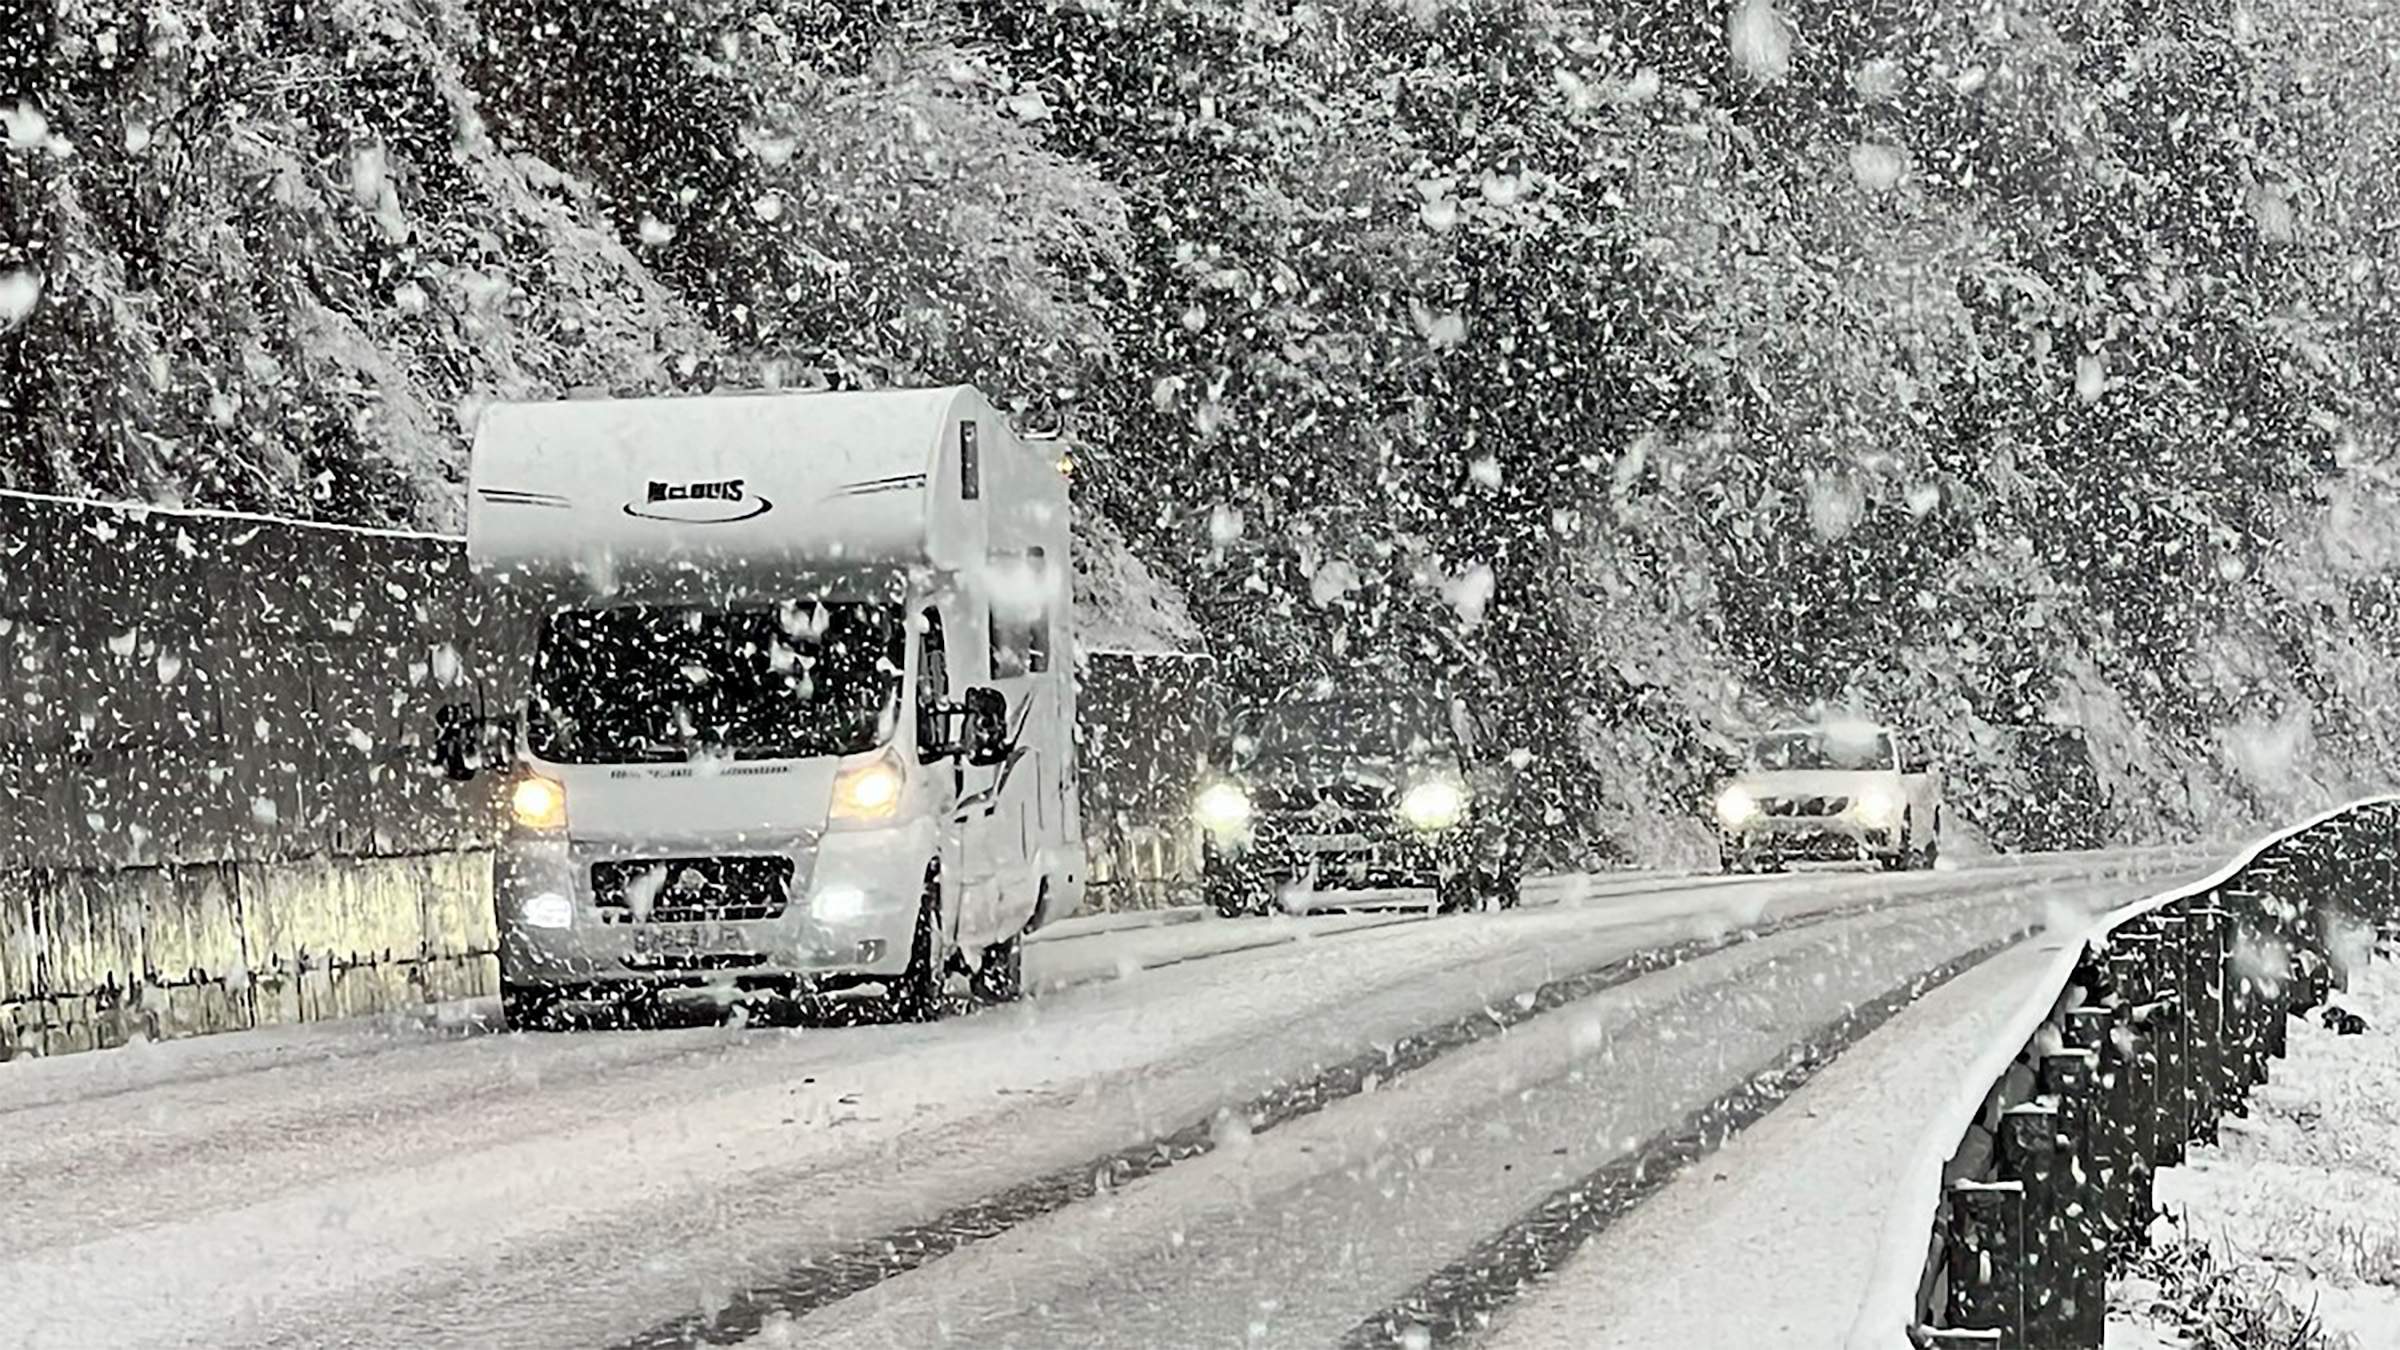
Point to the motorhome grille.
(691, 890)
(1805, 806)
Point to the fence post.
(2236, 1012)
(2110, 1148)
(2063, 1202)
(2133, 964)
(2030, 1155)
(2205, 1024)
(2174, 1039)
(1986, 1253)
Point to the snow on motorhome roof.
(845, 479)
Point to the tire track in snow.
(1459, 1302)
(821, 1281)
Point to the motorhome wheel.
(916, 996)
(1000, 976)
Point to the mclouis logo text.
(712, 502)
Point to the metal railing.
(2143, 1039)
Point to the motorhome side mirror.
(985, 733)
(456, 729)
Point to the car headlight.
(1736, 808)
(538, 803)
(868, 791)
(1435, 804)
(1223, 807)
(1877, 808)
(838, 904)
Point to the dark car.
(1358, 791)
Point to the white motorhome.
(800, 709)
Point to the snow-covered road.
(424, 1183)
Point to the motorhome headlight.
(1877, 808)
(547, 909)
(869, 790)
(1223, 807)
(538, 803)
(1435, 804)
(1736, 807)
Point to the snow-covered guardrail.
(2036, 1179)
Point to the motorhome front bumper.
(836, 911)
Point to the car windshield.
(1823, 749)
(640, 683)
(1319, 731)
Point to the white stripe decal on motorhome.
(873, 485)
(520, 497)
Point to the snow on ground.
(1288, 1238)
(2303, 1196)
(426, 1183)
(1713, 1260)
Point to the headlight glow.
(547, 909)
(1435, 804)
(1736, 808)
(1223, 807)
(1877, 808)
(839, 904)
(869, 791)
(538, 804)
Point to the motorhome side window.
(933, 684)
(650, 683)
(933, 673)
(1037, 641)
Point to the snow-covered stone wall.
(217, 808)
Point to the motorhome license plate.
(1331, 843)
(684, 939)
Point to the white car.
(1841, 792)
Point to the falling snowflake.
(1761, 41)
(27, 128)
(20, 291)
(1877, 168)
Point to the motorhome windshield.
(639, 683)
(1823, 750)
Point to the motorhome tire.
(1000, 976)
(529, 1007)
(917, 995)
